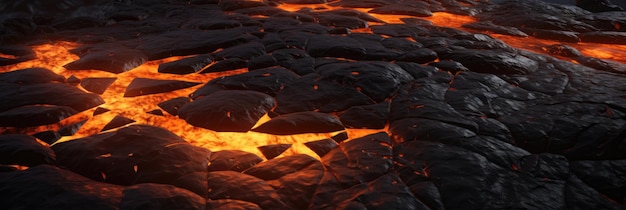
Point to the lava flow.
(54, 55)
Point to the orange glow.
(54, 55)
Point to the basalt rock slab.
(309, 93)
(71, 129)
(97, 85)
(59, 94)
(334, 46)
(244, 51)
(49, 187)
(188, 42)
(267, 80)
(273, 150)
(296, 189)
(186, 65)
(489, 26)
(23, 150)
(378, 80)
(227, 110)
(368, 116)
(145, 86)
(171, 106)
(226, 65)
(49, 136)
(30, 76)
(301, 122)
(358, 172)
(34, 115)
(421, 56)
(132, 155)
(239, 186)
(607, 37)
(279, 167)
(232, 160)
(494, 62)
(322, 147)
(116, 122)
(158, 196)
(417, 9)
(606, 176)
(110, 58)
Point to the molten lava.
(54, 55)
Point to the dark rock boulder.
(97, 85)
(244, 51)
(267, 80)
(301, 122)
(30, 76)
(144, 86)
(607, 37)
(334, 46)
(226, 65)
(321, 147)
(116, 122)
(186, 65)
(232, 160)
(23, 150)
(34, 115)
(494, 62)
(310, 93)
(132, 155)
(239, 186)
(107, 57)
(273, 150)
(369, 116)
(171, 106)
(49, 187)
(227, 110)
(421, 56)
(279, 167)
(59, 94)
(158, 196)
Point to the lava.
(54, 55)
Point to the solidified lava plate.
(312, 104)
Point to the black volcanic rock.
(144, 86)
(321, 147)
(239, 4)
(187, 42)
(171, 106)
(30, 76)
(111, 58)
(71, 129)
(48, 136)
(243, 51)
(158, 196)
(228, 204)
(59, 94)
(51, 187)
(368, 116)
(97, 85)
(494, 62)
(267, 80)
(608, 37)
(279, 167)
(186, 65)
(239, 186)
(23, 150)
(132, 155)
(34, 115)
(260, 62)
(563, 36)
(273, 150)
(376, 79)
(417, 8)
(116, 122)
(309, 93)
(563, 50)
(489, 26)
(334, 46)
(421, 56)
(301, 122)
(232, 160)
(227, 110)
(226, 65)
(100, 110)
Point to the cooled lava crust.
(459, 119)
